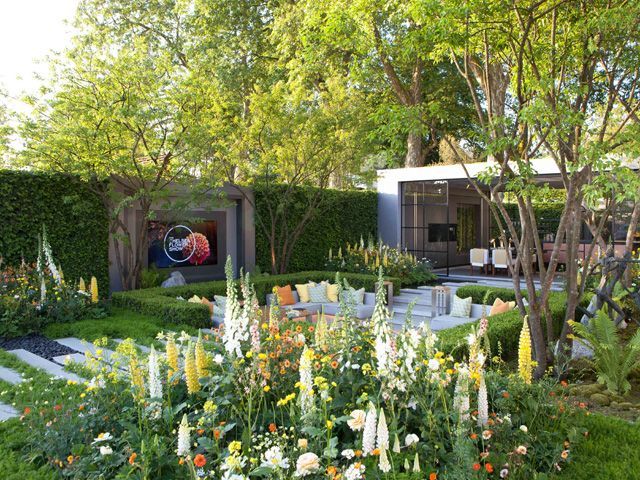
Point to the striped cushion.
(353, 296)
(461, 307)
(318, 293)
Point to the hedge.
(163, 303)
(504, 328)
(343, 216)
(75, 218)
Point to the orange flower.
(488, 467)
(433, 476)
(358, 453)
(564, 383)
(181, 461)
(272, 427)
(27, 410)
(200, 431)
(199, 460)
(334, 364)
(132, 458)
(216, 434)
(505, 394)
(473, 436)
(476, 467)
(376, 452)
(311, 329)
(331, 470)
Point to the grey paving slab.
(83, 346)
(72, 357)
(7, 412)
(49, 367)
(10, 376)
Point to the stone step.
(7, 412)
(10, 376)
(83, 346)
(49, 367)
(71, 357)
(423, 300)
(418, 291)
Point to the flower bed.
(286, 399)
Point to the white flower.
(348, 454)
(504, 473)
(471, 339)
(273, 458)
(306, 381)
(411, 439)
(355, 472)
(184, 437)
(369, 433)
(434, 364)
(307, 464)
(382, 439)
(105, 450)
(155, 383)
(483, 404)
(355, 366)
(521, 450)
(384, 464)
(524, 428)
(103, 437)
(461, 394)
(356, 422)
(218, 359)
(416, 463)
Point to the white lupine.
(155, 383)
(369, 432)
(396, 444)
(46, 248)
(461, 394)
(384, 464)
(43, 291)
(382, 437)
(382, 332)
(416, 463)
(235, 323)
(306, 380)
(184, 437)
(483, 404)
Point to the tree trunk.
(414, 156)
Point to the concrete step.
(7, 412)
(49, 367)
(423, 300)
(414, 291)
(10, 376)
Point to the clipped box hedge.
(503, 328)
(163, 303)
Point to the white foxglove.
(384, 464)
(155, 384)
(235, 322)
(369, 433)
(461, 394)
(483, 404)
(382, 439)
(306, 381)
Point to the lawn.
(120, 323)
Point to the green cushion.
(318, 293)
(461, 307)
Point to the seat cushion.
(461, 307)
(501, 307)
(303, 292)
(205, 301)
(318, 293)
(332, 292)
(351, 295)
(285, 295)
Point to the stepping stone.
(10, 376)
(72, 357)
(83, 346)
(7, 412)
(142, 348)
(51, 368)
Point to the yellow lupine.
(94, 290)
(137, 377)
(172, 356)
(190, 370)
(81, 285)
(525, 365)
(202, 361)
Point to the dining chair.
(479, 257)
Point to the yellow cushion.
(303, 292)
(501, 307)
(332, 292)
(195, 299)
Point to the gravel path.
(38, 344)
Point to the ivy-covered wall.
(343, 216)
(76, 222)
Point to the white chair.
(499, 259)
(479, 257)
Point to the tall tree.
(554, 78)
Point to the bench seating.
(362, 311)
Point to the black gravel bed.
(38, 344)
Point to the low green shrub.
(164, 304)
(504, 328)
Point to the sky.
(29, 30)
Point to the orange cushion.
(208, 304)
(501, 307)
(285, 295)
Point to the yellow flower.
(329, 424)
(266, 388)
(172, 356)
(262, 356)
(202, 361)
(94, 290)
(525, 365)
(190, 370)
(235, 446)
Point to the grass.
(611, 451)
(121, 323)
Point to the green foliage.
(120, 323)
(340, 217)
(76, 222)
(504, 328)
(610, 451)
(361, 258)
(613, 361)
(153, 277)
(547, 217)
(163, 303)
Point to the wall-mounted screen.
(183, 244)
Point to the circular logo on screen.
(175, 241)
